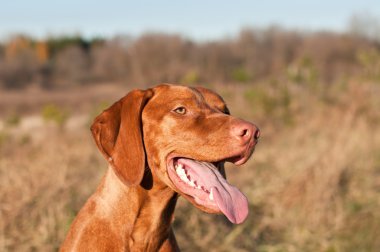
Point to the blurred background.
(307, 72)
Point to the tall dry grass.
(313, 183)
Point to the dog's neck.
(143, 213)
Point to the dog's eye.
(180, 110)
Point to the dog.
(161, 143)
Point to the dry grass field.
(313, 182)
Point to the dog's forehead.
(211, 97)
(199, 95)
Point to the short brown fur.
(132, 208)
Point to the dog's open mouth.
(205, 184)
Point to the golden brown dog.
(161, 143)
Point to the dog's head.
(183, 135)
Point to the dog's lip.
(245, 154)
(238, 158)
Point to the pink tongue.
(233, 204)
(229, 199)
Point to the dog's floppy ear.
(118, 134)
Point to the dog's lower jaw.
(136, 222)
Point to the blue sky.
(199, 19)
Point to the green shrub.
(303, 72)
(191, 77)
(260, 98)
(370, 62)
(55, 114)
(13, 120)
(25, 139)
(3, 137)
(240, 75)
(275, 103)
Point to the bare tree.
(365, 25)
(71, 66)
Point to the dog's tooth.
(180, 171)
(192, 183)
(211, 196)
(179, 166)
(182, 175)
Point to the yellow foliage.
(16, 46)
(42, 51)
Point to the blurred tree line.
(253, 55)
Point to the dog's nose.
(246, 131)
(257, 134)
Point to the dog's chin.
(202, 184)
